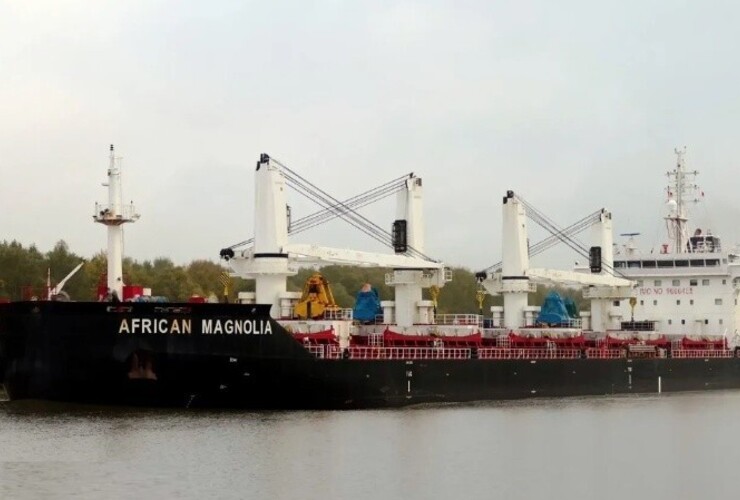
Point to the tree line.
(23, 269)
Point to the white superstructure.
(690, 285)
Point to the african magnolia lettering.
(185, 326)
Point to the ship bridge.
(689, 285)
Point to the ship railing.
(363, 352)
(504, 353)
(701, 353)
(335, 352)
(408, 353)
(459, 319)
(495, 332)
(643, 350)
(338, 314)
(570, 323)
(115, 212)
(702, 244)
(332, 352)
(316, 350)
(503, 341)
(600, 353)
(375, 340)
(637, 326)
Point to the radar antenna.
(629, 247)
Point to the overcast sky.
(576, 105)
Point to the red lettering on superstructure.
(668, 291)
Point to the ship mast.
(114, 215)
(681, 191)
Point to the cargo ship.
(281, 349)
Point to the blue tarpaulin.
(554, 310)
(367, 305)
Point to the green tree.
(21, 268)
(207, 276)
(95, 270)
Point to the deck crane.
(272, 258)
(57, 289)
(516, 279)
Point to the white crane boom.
(60, 285)
(318, 254)
(557, 276)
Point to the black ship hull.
(221, 355)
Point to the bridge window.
(633, 263)
(712, 262)
(697, 262)
(682, 263)
(665, 263)
(620, 263)
(648, 263)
